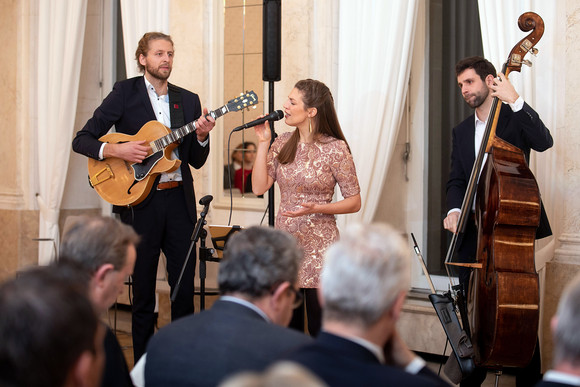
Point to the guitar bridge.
(96, 179)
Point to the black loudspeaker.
(272, 40)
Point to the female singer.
(307, 163)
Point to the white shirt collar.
(562, 377)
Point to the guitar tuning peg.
(534, 51)
(527, 63)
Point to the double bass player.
(519, 125)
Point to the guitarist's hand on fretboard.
(132, 151)
(204, 125)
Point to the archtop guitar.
(122, 183)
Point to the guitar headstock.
(247, 99)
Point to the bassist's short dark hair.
(482, 67)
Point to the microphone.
(274, 116)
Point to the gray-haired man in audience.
(566, 333)
(246, 328)
(364, 282)
(105, 248)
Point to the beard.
(157, 73)
(479, 99)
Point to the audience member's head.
(374, 261)
(237, 155)
(281, 374)
(49, 332)
(565, 329)
(105, 247)
(260, 265)
(249, 154)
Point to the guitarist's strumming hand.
(204, 125)
(132, 151)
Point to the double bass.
(503, 298)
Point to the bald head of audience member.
(104, 247)
(49, 332)
(261, 265)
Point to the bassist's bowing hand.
(204, 125)
(450, 222)
(132, 151)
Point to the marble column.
(566, 262)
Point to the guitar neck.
(178, 134)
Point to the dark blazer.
(523, 129)
(341, 362)
(116, 372)
(128, 108)
(203, 349)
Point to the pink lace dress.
(311, 177)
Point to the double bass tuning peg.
(516, 59)
(528, 47)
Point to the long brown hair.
(315, 94)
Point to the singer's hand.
(203, 126)
(304, 209)
(263, 131)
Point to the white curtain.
(537, 85)
(374, 54)
(61, 30)
(139, 17)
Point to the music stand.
(220, 236)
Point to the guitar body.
(115, 179)
(122, 183)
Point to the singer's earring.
(310, 124)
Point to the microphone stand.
(271, 218)
(198, 232)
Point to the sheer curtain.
(537, 85)
(61, 30)
(139, 17)
(374, 54)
